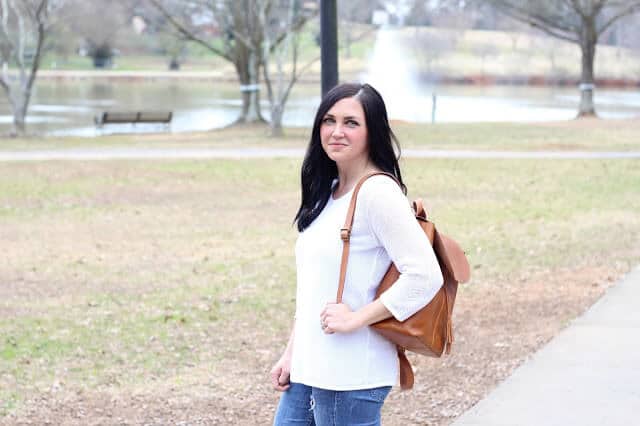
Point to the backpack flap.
(452, 257)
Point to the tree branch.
(297, 26)
(294, 59)
(40, 17)
(188, 34)
(246, 40)
(294, 76)
(533, 18)
(577, 7)
(5, 86)
(630, 9)
(316, 59)
(599, 5)
(553, 33)
(537, 21)
(6, 53)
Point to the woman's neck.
(348, 177)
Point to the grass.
(136, 63)
(597, 135)
(149, 329)
(526, 215)
(122, 274)
(575, 135)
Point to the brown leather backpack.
(428, 331)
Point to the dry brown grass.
(162, 291)
(572, 135)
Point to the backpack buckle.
(345, 234)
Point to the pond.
(68, 107)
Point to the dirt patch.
(118, 293)
(497, 325)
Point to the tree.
(98, 22)
(276, 16)
(579, 21)
(350, 12)
(429, 44)
(23, 29)
(241, 37)
(278, 91)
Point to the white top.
(384, 229)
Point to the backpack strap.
(345, 232)
(418, 208)
(406, 371)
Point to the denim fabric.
(306, 405)
(295, 407)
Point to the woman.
(336, 370)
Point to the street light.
(328, 44)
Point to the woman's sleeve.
(392, 222)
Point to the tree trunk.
(19, 127)
(18, 103)
(250, 106)
(19, 96)
(276, 120)
(247, 67)
(588, 40)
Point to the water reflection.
(69, 107)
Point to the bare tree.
(98, 22)
(350, 12)
(281, 51)
(578, 21)
(23, 30)
(428, 45)
(279, 86)
(241, 39)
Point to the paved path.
(204, 153)
(587, 375)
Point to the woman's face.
(343, 132)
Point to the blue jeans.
(309, 406)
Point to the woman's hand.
(339, 318)
(280, 373)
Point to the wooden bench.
(109, 117)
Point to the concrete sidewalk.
(587, 375)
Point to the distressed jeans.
(309, 406)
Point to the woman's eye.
(328, 120)
(352, 123)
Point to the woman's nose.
(337, 131)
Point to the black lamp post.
(329, 44)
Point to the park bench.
(109, 117)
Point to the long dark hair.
(318, 170)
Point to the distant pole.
(329, 44)
(434, 104)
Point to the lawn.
(574, 135)
(162, 291)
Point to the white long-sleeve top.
(384, 230)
